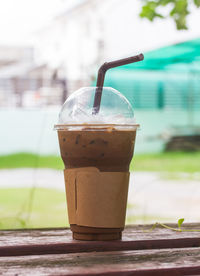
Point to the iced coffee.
(97, 158)
(108, 150)
(96, 132)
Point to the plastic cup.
(96, 156)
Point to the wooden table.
(53, 252)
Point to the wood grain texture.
(59, 241)
(138, 262)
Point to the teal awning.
(168, 77)
(182, 53)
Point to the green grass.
(48, 209)
(49, 206)
(160, 162)
(167, 162)
(28, 160)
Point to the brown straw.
(101, 75)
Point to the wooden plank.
(58, 241)
(145, 262)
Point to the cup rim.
(95, 126)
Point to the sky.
(19, 19)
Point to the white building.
(79, 40)
(24, 83)
(74, 41)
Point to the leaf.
(166, 2)
(197, 3)
(178, 10)
(149, 11)
(180, 222)
(181, 23)
(179, 14)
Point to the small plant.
(178, 229)
(180, 222)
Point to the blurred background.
(48, 49)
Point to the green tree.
(176, 9)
